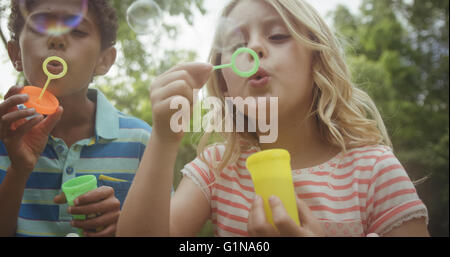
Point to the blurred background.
(398, 51)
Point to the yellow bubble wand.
(51, 76)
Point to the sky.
(192, 38)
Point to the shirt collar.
(106, 116)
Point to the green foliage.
(398, 52)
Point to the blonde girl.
(347, 180)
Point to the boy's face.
(80, 48)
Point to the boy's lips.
(55, 67)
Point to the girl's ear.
(14, 55)
(106, 60)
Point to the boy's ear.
(107, 59)
(14, 55)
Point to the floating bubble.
(72, 235)
(144, 17)
(53, 17)
(229, 37)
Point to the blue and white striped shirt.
(112, 155)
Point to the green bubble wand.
(234, 67)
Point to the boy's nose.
(56, 43)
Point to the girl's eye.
(279, 37)
(237, 46)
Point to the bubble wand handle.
(218, 67)
(45, 88)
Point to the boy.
(86, 135)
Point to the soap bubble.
(72, 235)
(144, 17)
(229, 37)
(55, 18)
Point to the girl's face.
(285, 70)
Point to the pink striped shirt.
(363, 191)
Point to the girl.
(347, 180)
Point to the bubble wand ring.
(234, 67)
(51, 76)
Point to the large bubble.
(144, 17)
(55, 17)
(229, 37)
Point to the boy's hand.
(100, 202)
(285, 226)
(24, 139)
(180, 81)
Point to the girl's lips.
(259, 82)
(260, 79)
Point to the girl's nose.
(257, 46)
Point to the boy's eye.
(79, 33)
(35, 31)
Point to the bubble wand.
(234, 67)
(51, 76)
(44, 103)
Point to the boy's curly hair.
(105, 15)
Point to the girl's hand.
(285, 226)
(24, 139)
(100, 203)
(177, 84)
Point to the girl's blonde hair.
(346, 116)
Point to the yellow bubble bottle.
(272, 175)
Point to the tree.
(398, 51)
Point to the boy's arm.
(24, 145)
(11, 193)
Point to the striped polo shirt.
(112, 155)
(365, 190)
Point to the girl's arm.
(189, 209)
(148, 210)
(413, 228)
